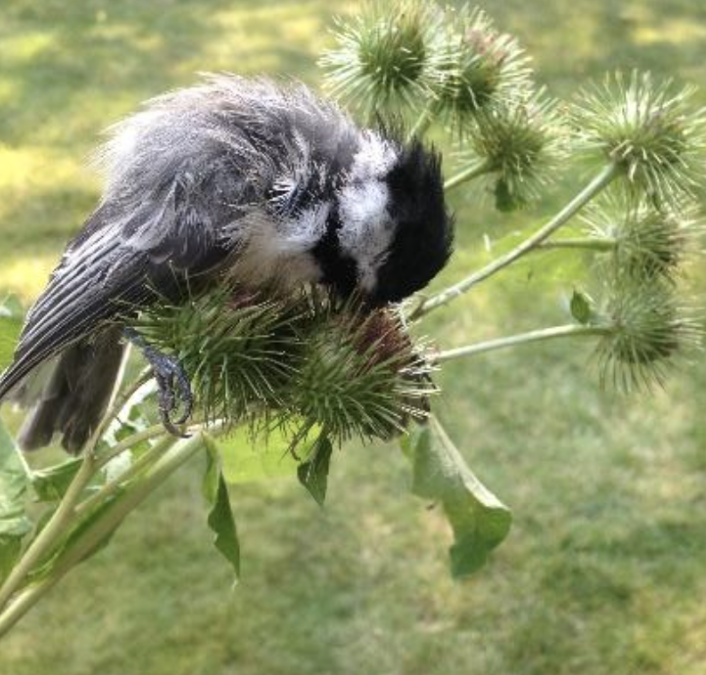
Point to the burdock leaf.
(14, 523)
(220, 515)
(313, 474)
(504, 199)
(581, 307)
(51, 483)
(10, 327)
(478, 519)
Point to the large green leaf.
(220, 515)
(246, 459)
(14, 523)
(480, 521)
(50, 484)
(11, 319)
(313, 473)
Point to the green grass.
(603, 570)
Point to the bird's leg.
(173, 384)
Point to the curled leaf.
(14, 481)
(313, 473)
(220, 515)
(581, 307)
(480, 521)
(51, 483)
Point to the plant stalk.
(467, 175)
(23, 603)
(112, 518)
(129, 442)
(570, 330)
(136, 468)
(51, 532)
(118, 403)
(65, 511)
(597, 185)
(423, 122)
(599, 244)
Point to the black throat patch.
(338, 270)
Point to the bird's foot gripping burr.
(172, 381)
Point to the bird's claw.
(174, 391)
(174, 386)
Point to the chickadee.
(250, 180)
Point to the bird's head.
(393, 233)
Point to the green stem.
(467, 175)
(115, 409)
(65, 512)
(423, 122)
(570, 330)
(169, 462)
(598, 184)
(94, 534)
(51, 531)
(129, 442)
(599, 244)
(136, 468)
(23, 603)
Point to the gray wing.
(181, 174)
(125, 254)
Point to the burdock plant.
(646, 241)
(299, 377)
(520, 145)
(388, 56)
(483, 68)
(643, 331)
(648, 131)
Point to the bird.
(254, 180)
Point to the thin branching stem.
(467, 175)
(119, 403)
(142, 462)
(570, 330)
(597, 185)
(423, 122)
(135, 469)
(170, 461)
(51, 532)
(129, 442)
(599, 244)
(66, 510)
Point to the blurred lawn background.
(604, 568)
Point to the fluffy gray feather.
(260, 181)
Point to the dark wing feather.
(118, 261)
(180, 173)
(83, 293)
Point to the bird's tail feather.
(76, 394)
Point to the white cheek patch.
(367, 229)
(374, 158)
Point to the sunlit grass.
(27, 276)
(603, 571)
